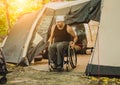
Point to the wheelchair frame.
(71, 59)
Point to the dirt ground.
(38, 74)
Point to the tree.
(10, 10)
(3, 24)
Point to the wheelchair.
(70, 59)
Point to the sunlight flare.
(21, 1)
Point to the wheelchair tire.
(72, 56)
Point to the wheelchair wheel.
(67, 63)
(72, 56)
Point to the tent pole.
(90, 32)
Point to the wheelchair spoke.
(73, 57)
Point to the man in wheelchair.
(59, 40)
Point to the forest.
(11, 10)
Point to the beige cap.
(59, 18)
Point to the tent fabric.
(105, 58)
(63, 5)
(16, 39)
(90, 11)
(101, 70)
(63, 8)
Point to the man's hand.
(72, 44)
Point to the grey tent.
(91, 11)
(15, 43)
(29, 34)
(105, 58)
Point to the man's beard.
(60, 26)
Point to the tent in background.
(15, 43)
(105, 58)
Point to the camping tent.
(29, 33)
(105, 58)
(14, 45)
